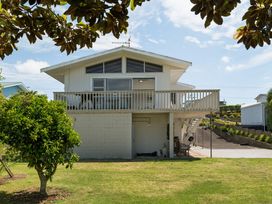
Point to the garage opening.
(150, 135)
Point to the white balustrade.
(140, 100)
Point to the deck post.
(171, 135)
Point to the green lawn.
(197, 181)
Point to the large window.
(118, 84)
(98, 68)
(134, 66)
(112, 84)
(149, 67)
(113, 66)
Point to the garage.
(104, 136)
(149, 133)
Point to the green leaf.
(132, 5)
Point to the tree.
(79, 25)
(258, 19)
(41, 132)
(269, 110)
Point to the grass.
(185, 181)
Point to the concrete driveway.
(224, 149)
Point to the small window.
(149, 67)
(98, 68)
(135, 66)
(114, 66)
(98, 84)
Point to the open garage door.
(149, 133)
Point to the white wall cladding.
(76, 79)
(104, 135)
(253, 115)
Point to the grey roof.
(11, 84)
(115, 50)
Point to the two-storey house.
(127, 102)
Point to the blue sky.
(168, 28)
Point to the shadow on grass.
(143, 159)
(32, 196)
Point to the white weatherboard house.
(127, 102)
(253, 115)
(12, 88)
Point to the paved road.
(224, 149)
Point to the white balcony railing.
(193, 100)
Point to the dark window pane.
(149, 67)
(135, 66)
(98, 68)
(98, 84)
(118, 84)
(114, 66)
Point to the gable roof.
(261, 96)
(174, 61)
(12, 84)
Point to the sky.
(167, 28)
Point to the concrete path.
(224, 149)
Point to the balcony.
(140, 101)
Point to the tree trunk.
(43, 183)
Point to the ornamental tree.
(70, 24)
(257, 19)
(41, 131)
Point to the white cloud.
(31, 77)
(144, 15)
(30, 66)
(109, 42)
(257, 60)
(159, 20)
(225, 59)
(41, 46)
(232, 46)
(153, 41)
(179, 13)
(201, 44)
(192, 39)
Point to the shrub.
(246, 134)
(224, 128)
(237, 132)
(231, 131)
(251, 135)
(266, 139)
(269, 140)
(261, 137)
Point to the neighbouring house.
(127, 102)
(11, 88)
(253, 115)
